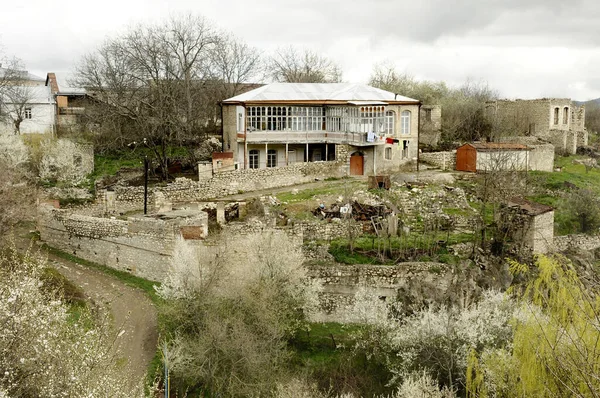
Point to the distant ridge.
(594, 101)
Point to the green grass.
(572, 173)
(125, 277)
(337, 187)
(426, 248)
(108, 165)
(322, 344)
(552, 186)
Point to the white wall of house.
(502, 160)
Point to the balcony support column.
(266, 154)
(286, 154)
(306, 156)
(326, 151)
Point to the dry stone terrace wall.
(444, 160)
(229, 183)
(139, 246)
(579, 241)
(341, 282)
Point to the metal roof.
(31, 94)
(65, 86)
(21, 74)
(497, 146)
(318, 92)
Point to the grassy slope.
(553, 183)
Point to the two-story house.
(279, 124)
(26, 104)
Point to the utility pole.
(145, 184)
(166, 361)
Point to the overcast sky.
(523, 48)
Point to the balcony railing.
(300, 137)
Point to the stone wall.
(537, 118)
(341, 282)
(321, 230)
(431, 125)
(541, 236)
(541, 157)
(579, 241)
(141, 246)
(227, 183)
(443, 160)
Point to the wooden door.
(466, 159)
(357, 162)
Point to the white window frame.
(254, 159)
(405, 123)
(390, 119)
(271, 158)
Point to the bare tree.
(17, 104)
(148, 83)
(293, 65)
(160, 84)
(16, 94)
(386, 77)
(233, 64)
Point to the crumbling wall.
(417, 281)
(576, 241)
(136, 245)
(227, 183)
(541, 157)
(431, 125)
(444, 160)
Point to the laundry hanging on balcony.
(370, 137)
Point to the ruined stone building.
(372, 130)
(558, 121)
(430, 130)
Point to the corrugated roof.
(344, 92)
(496, 146)
(22, 74)
(65, 86)
(32, 94)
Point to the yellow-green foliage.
(556, 344)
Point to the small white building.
(492, 156)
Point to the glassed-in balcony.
(353, 125)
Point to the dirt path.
(133, 315)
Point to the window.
(388, 153)
(405, 122)
(282, 118)
(566, 115)
(271, 158)
(253, 159)
(240, 122)
(27, 113)
(427, 113)
(405, 148)
(556, 111)
(389, 122)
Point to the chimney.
(53, 84)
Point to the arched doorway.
(357, 163)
